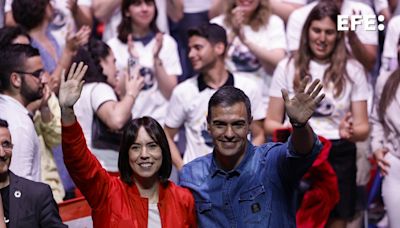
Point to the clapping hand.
(71, 88)
(301, 107)
(381, 161)
(346, 130)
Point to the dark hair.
(8, 34)
(125, 27)
(156, 132)
(212, 32)
(228, 96)
(91, 56)
(12, 58)
(29, 13)
(336, 73)
(3, 123)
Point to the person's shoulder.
(219, 20)
(356, 5)
(115, 43)
(179, 191)
(33, 188)
(353, 65)
(304, 10)
(196, 171)
(274, 20)
(190, 83)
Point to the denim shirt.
(260, 192)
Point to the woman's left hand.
(159, 43)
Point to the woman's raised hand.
(71, 88)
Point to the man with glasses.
(21, 82)
(39, 207)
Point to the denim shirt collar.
(214, 169)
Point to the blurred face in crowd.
(202, 54)
(109, 68)
(32, 79)
(248, 6)
(229, 126)
(142, 13)
(322, 38)
(145, 157)
(5, 150)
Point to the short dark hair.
(12, 58)
(228, 96)
(91, 55)
(8, 34)
(156, 132)
(29, 13)
(3, 123)
(125, 26)
(212, 32)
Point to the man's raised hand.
(301, 107)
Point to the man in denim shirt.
(239, 185)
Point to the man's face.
(229, 127)
(201, 53)
(5, 149)
(32, 80)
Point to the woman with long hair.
(342, 116)
(385, 138)
(142, 196)
(256, 37)
(99, 97)
(156, 54)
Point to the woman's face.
(145, 156)
(322, 38)
(109, 68)
(248, 6)
(142, 13)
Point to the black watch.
(297, 124)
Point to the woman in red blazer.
(142, 196)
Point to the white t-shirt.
(150, 101)
(299, 16)
(378, 5)
(154, 220)
(62, 18)
(326, 118)
(389, 55)
(188, 106)
(93, 95)
(196, 6)
(25, 161)
(110, 30)
(240, 59)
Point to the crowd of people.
(187, 113)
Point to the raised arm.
(82, 165)
(299, 110)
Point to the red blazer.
(113, 202)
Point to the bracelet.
(297, 124)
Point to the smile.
(145, 164)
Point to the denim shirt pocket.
(203, 207)
(255, 205)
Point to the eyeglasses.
(36, 74)
(7, 145)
